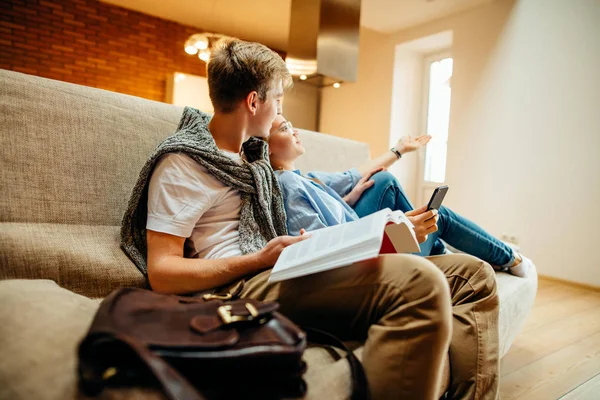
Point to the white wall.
(300, 105)
(406, 114)
(524, 141)
(525, 134)
(407, 117)
(189, 90)
(361, 110)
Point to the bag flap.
(159, 320)
(238, 311)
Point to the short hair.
(236, 68)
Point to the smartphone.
(437, 197)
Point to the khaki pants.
(410, 311)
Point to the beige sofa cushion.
(85, 259)
(38, 344)
(46, 323)
(74, 152)
(330, 153)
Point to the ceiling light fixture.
(191, 50)
(336, 85)
(202, 43)
(298, 67)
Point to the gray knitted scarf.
(262, 216)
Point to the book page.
(344, 244)
(326, 263)
(399, 217)
(333, 239)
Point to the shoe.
(521, 268)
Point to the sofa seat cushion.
(517, 296)
(41, 325)
(84, 259)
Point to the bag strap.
(360, 385)
(174, 385)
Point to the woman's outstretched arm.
(405, 145)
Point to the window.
(438, 72)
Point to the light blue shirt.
(312, 206)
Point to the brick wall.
(94, 44)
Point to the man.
(207, 213)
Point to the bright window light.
(438, 119)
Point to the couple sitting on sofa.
(324, 199)
(207, 212)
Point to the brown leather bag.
(197, 349)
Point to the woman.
(322, 199)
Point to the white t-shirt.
(186, 200)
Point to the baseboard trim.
(571, 283)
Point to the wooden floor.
(557, 355)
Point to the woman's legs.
(469, 237)
(387, 193)
(456, 230)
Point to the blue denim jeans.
(453, 228)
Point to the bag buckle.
(212, 296)
(227, 317)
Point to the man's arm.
(170, 272)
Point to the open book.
(386, 231)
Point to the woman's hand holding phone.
(424, 221)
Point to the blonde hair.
(236, 68)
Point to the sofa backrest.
(71, 154)
(330, 153)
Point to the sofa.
(70, 157)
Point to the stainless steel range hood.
(323, 43)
